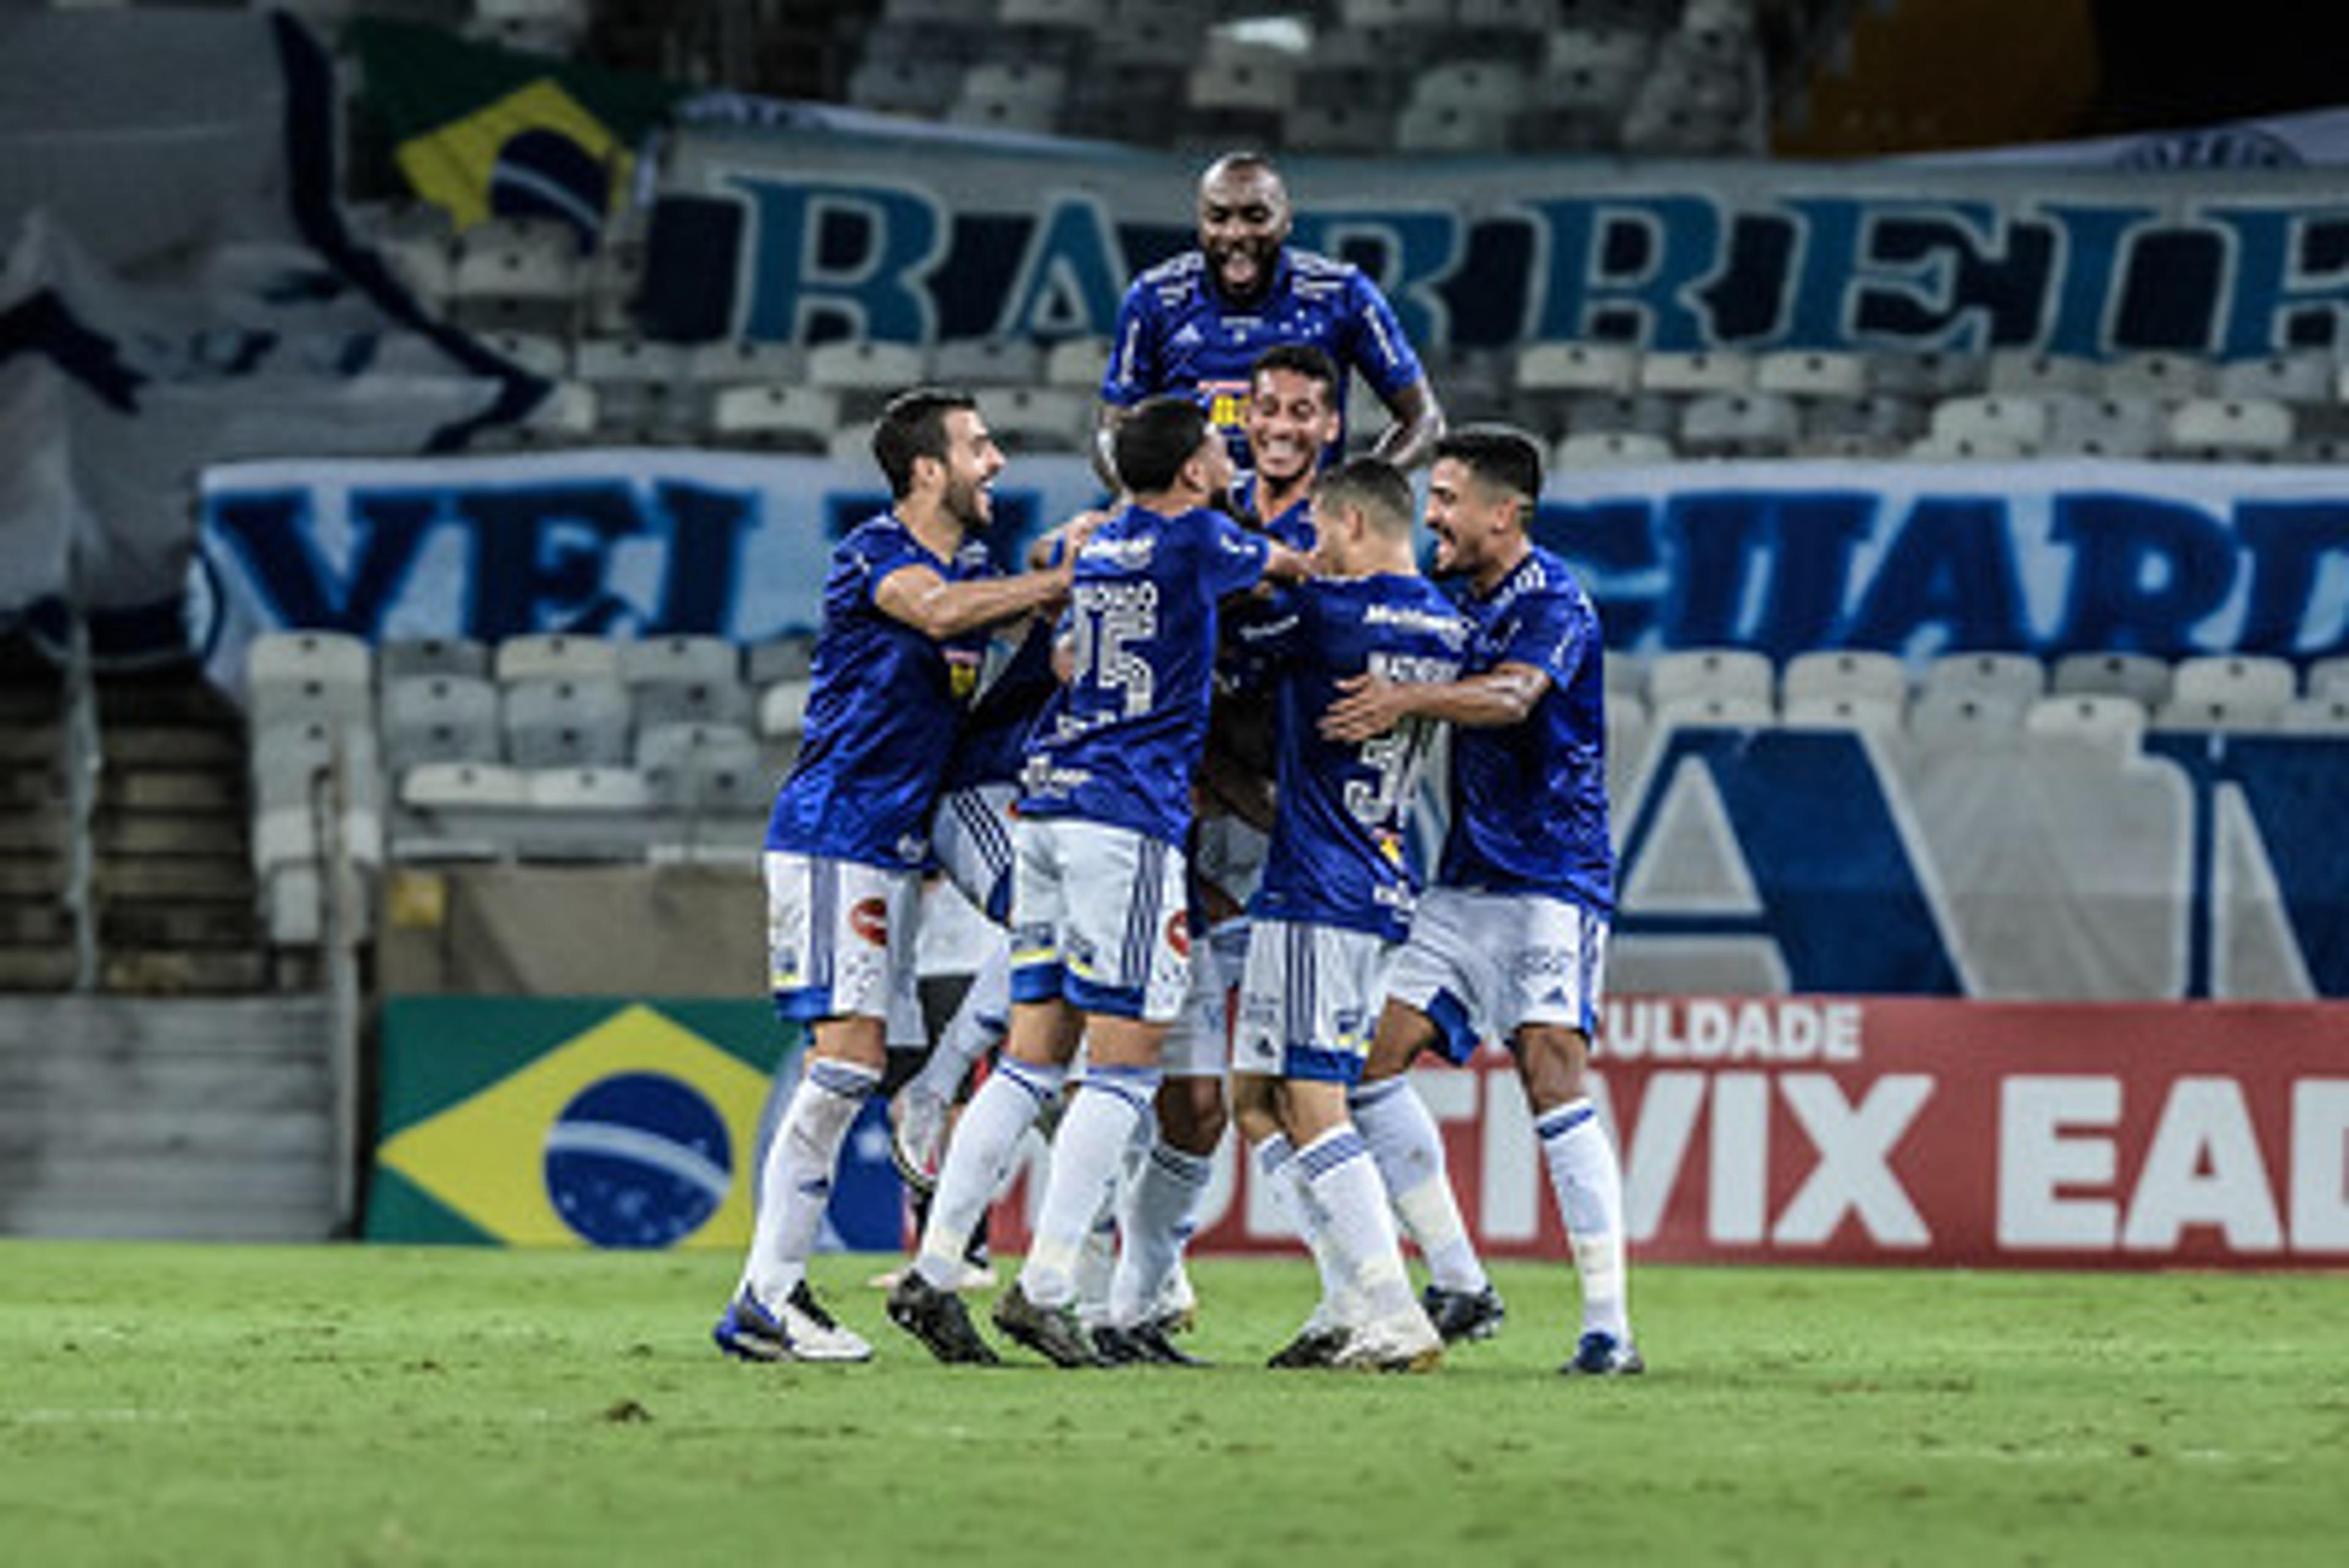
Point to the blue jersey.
(1529, 799)
(1004, 715)
(1338, 855)
(1175, 333)
(883, 695)
(1292, 524)
(1124, 739)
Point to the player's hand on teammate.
(1367, 706)
(1284, 564)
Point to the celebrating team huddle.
(1141, 817)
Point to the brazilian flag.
(487, 133)
(571, 1122)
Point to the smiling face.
(973, 460)
(1243, 222)
(1291, 422)
(1472, 520)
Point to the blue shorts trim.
(1092, 996)
(805, 1004)
(1310, 1065)
(1455, 1033)
(1042, 981)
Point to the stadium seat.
(1010, 95)
(1077, 363)
(777, 659)
(905, 84)
(1829, 710)
(1739, 424)
(1716, 710)
(2101, 426)
(571, 410)
(1234, 75)
(1597, 414)
(2314, 716)
(1810, 374)
(1546, 368)
(2249, 683)
(1426, 15)
(534, 352)
(1629, 725)
(705, 768)
(2018, 424)
(987, 362)
(853, 442)
(2329, 676)
(2167, 377)
(439, 719)
(2028, 373)
(288, 763)
(866, 373)
(1691, 374)
(2018, 676)
(2302, 376)
(2224, 428)
(1626, 676)
(677, 659)
(782, 709)
(1844, 672)
(2104, 720)
(1926, 376)
(445, 786)
(638, 386)
(1443, 128)
(1727, 673)
(1880, 418)
(611, 788)
(555, 722)
(799, 419)
(399, 657)
(1969, 449)
(1323, 125)
(1040, 419)
(294, 676)
(740, 362)
(1480, 86)
(2138, 676)
(1610, 449)
(536, 656)
(1952, 717)
(714, 701)
(2216, 715)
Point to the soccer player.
(1292, 422)
(1100, 935)
(905, 599)
(1337, 893)
(1195, 324)
(1508, 944)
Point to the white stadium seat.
(2214, 713)
(397, 657)
(1717, 710)
(536, 656)
(1577, 367)
(439, 719)
(1812, 374)
(2140, 675)
(1844, 672)
(2104, 720)
(1826, 710)
(2329, 676)
(1727, 673)
(2103, 427)
(1695, 373)
(2243, 682)
(2230, 427)
(2314, 716)
(2304, 376)
(1610, 449)
(563, 721)
(290, 676)
(1954, 717)
(1739, 424)
(2167, 377)
(2019, 676)
(2026, 372)
(2019, 423)
(800, 417)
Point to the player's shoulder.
(1315, 276)
(1171, 281)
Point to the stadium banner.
(1896, 1131)
(2044, 557)
(551, 1122)
(802, 234)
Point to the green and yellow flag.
(486, 131)
(547, 1123)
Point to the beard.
(967, 502)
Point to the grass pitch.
(182, 1405)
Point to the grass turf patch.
(379, 1404)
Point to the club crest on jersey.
(869, 918)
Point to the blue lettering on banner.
(839, 259)
(1409, 255)
(1826, 855)
(2291, 789)
(1070, 282)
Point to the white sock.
(1161, 1211)
(1275, 1163)
(795, 1183)
(1403, 1140)
(979, 1021)
(1345, 1183)
(979, 1162)
(1096, 1266)
(1589, 1181)
(1086, 1152)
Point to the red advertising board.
(1895, 1130)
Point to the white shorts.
(1309, 1001)
(1201, 1033)
(971, 836)
(1098, 919)
(1482, 965)
(839, 941)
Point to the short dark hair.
(1154, 439)
(915, 425)
(1374, 484)
(1500, 455)
(1301, 359)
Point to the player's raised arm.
(1418, 424)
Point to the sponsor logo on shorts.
(1178, 933)
(869, 920)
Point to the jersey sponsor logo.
(869, 918)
